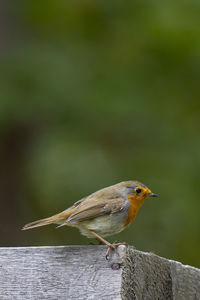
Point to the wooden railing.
(82, 272)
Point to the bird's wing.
(97, 205)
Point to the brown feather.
(98, 204)
(56, 219)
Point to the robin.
(103, 213)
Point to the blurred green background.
(93, 93)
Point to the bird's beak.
(153, 195)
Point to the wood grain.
(82, 272)
(58, 273)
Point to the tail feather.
(38, 223)
(56, 219)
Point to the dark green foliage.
(93, 93)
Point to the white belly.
(103, 225)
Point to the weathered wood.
(147, 276)
(57, 273)
(82, 272)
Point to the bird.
(105, 212)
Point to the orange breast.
(132, 210)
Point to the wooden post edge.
(82, 272)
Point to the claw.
(111, 246)
(114, 247)
(117, 243)
(101, 239)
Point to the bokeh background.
(93, 93)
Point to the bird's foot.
(113, 247)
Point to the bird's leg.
(117, 243)
(102, 240)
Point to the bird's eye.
(138, 190)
